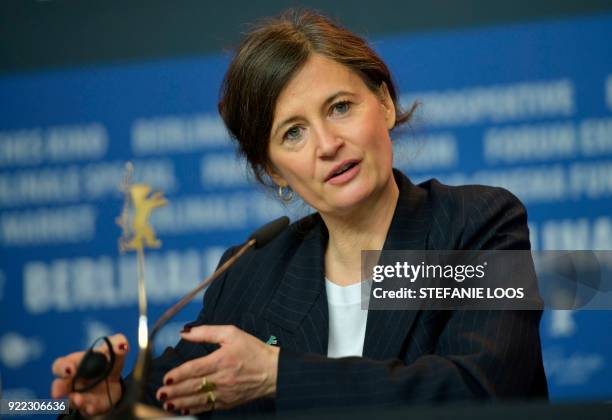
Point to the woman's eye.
(341, 107)
(294, 133)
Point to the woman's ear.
(275, 176)
(388, 105)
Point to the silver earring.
(285, 193)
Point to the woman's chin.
(349, 200)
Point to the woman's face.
(330, 137)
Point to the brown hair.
(267, 59)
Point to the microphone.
(257, 239)
(269, 231)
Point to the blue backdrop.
(526, 106)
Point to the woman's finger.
(60, 388)
(191, 386)
(83, 404)
(96, 399)
(191, 402)
(217, 334)
(90, 410)
(217, 406)
(196, 368)
(121, 349)
(66, 366)
(179, 389)
(195, 395)
(119, 342)
(77, 400)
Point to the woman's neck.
(364, 228)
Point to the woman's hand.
(94, 401)
(241, 370)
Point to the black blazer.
(408, 356)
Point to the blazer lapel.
(299, 305)
(386, 331)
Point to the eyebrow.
(327, 101)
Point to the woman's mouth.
(344, 172)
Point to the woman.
(311, 107)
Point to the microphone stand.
(130, 407)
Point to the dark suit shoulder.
(251, 281)
(478, 216)
(471, 194)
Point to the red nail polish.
(169, 381)
(186, 329)
(163, 396)
(169, 406)
(122, 346)
(68, 371)
(185, 411)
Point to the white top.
(347, 321)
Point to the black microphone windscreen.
(267, 232)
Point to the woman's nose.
(329, 142)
